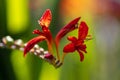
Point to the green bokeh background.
(18, 18)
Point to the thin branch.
(9, 42)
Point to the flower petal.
(69, 27)
(69, 48)
(32, 42)
(48, 35)
(46, 18)
(83, 31)
(72, 38)
(81, 55)
(36, 31)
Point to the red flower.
(44, 23)
(45, 34)
(66, 29)
(78, 44)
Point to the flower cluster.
(76, 44)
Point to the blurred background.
(18, 18)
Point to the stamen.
(89, 37)
(76, 25)
(38, 21)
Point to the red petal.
(81, 55)
(47, 34)
(31, 43)
(37, 32)
(69, 27)
(46, 18)
(72, 38)
(69, 48)
(83, 31)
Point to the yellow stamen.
(89, 37)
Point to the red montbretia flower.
(76, 44)
(66, 29)
(44, 23)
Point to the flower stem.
(58, 55)
(8, 42)
(63, 56)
